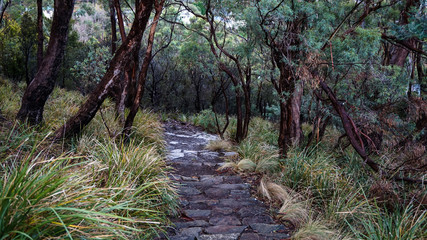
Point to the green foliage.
(11, 61)
(90, 70)
(406, 224)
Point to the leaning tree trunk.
(40, 36)
(42, 85)
(143, 73)
(3, 6)
(88, 110)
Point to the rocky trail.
(214, 205)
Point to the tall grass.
(98, 189)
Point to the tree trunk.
(120, 20)
(399, 54)
(88, 110)
(38, 91)
(290, 102)
(247, 94)
(296, 130)
(40, 36)
(3, 6)
(143, 73)
(113, 27)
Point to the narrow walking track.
(215, 206)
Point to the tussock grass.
(97, 188)
(405, 224)
(220, 145)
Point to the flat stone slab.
(267, 228)
(191, 232)
(220, 229)
(233, 236)
(195, 223)
(188, 191)
(225, 220)
(197, 213)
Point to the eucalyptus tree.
(231, 42)
(116, 67)
(40, 35)
(282, 25)
(42, 85)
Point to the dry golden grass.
(220, 145)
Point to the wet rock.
(190, 179)
(197, 213)
(257, 219)
(240, 193)
(188, 191)
(191, 232)
(225, 220)
(217, 193)
(221, 211)
(251, 236)
(233, 186)
(267, 228)
(195, 223)
(225, 229)
(251, 211)
(234, 236)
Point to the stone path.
(214, 206)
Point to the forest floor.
(214, 204)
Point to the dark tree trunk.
(399, 54)
(113, 27)
(27, 72)
(290, 127)
(120, 20)
(247, 94)
(3, 7)
(296, 129)
(143, 73)
(88, 110)
(38, 91)
(40, 36)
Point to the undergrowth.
(321, 191)
(93, 187)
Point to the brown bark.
(3, 7)
(350, 128)
(284, 47)
(88, 110)
(143, 73)
(38, 91)
(296, 129)
(40, 36)
(227, 114)
(120, 20)
(113, 27)
(398, 54)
